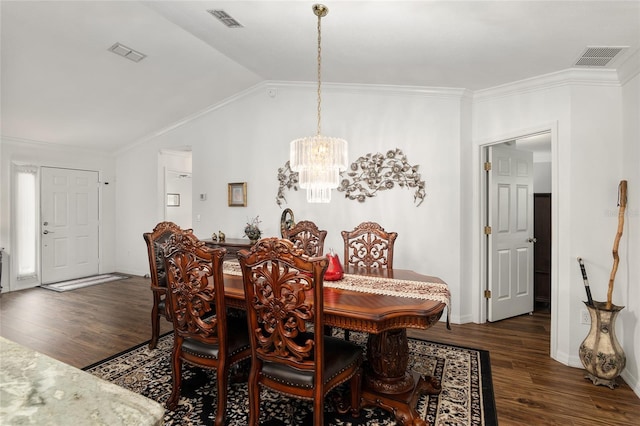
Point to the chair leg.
(223, 378)
(254, 396)
(356, 393)
(176, 377)
(318, 412)
(155, 322)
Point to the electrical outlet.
(584, 317)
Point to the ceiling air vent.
(126, 52)
(598, 56)
(225, 18)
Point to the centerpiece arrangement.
(252, 230)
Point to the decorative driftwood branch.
(622, 203)
(366, 177)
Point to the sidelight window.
(25, 220)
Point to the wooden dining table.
(387, 382)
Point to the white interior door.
(69, 227)
(510, 242)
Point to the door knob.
(532, 240)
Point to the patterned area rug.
(466, 397)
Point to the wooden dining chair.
(369, 246)
(307, 236)
(155, 249)
(284, 292)
(203, 335)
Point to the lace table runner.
(378, 285)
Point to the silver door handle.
(47, 232)
(532, 240)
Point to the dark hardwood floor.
(84, 326)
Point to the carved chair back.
(307, 236)
(194, 295)
(156, 241)
(369, 246)
(203, 335)
(286, 355)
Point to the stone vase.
(600, 353)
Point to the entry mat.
(83, 282)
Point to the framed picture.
(173, 200)
(238, 194)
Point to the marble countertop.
(38, 390)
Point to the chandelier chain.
(319, 71)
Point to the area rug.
(466, 397)
(83, 282)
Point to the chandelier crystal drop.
(318, 159)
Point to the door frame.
(12, 283)
(481, 219)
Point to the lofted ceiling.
(61, 84)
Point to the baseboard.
(631, 381)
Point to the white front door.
(510, 241)
(69, 227)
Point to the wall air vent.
(127, 52)
(598, 56)
(225, 18)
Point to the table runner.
(438, 292)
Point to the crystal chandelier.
(318, 159)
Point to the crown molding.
(437, 92)
(190, 118)
(53, 145)
(570, 76)
(186, 153)
(598, 77)
(630, 68)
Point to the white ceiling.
(60, 84)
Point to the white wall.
(628, 281)
(140, 201)
(42, 154)
(587, 151)
(248, 140)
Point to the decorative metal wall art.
(378, 172)
(288, 179)
(367, 176)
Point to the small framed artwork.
(173, 200)
(238, 194)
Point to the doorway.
(175, 186)
(542, 251)
(517, 269)
(179, 203)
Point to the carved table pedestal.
(387, 382)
